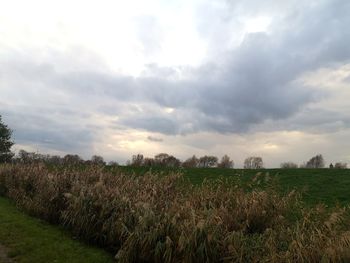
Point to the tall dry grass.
(154, 218)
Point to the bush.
(154, 218)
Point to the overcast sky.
(116, 78)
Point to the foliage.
(154, 218)
(5, 143)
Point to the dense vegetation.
(154, 218)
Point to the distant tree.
(166, 160)
(253, 162)
(72, 159)
(207, 161)
(226, 162)
(341, 165)
(113, 163)
(331, 166)
(191, 162)
(137, 160)
(98, 160)
(149, 162)
(289, 165)
(160, 159)
(5, 143)
(316, 162)
(31, 157)
(55, 159)
(172, 161)
(303, 165)
(24, 156)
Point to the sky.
(116, 78)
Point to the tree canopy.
(5, 142)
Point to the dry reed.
(154, 218)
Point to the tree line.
(161, 159)
(167, 160)
(316, 161)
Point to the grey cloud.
(48, 130)
(347, 79)
(246, 86)
(315, 120)
(154, 139)
(153, 124)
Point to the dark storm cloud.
(256, 81)
(246, 85)
(44, 130)
(313, 120)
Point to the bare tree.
(173, 162)
(289, 165)
(316, 162)
(137, 160)
(33, 157)
(191, 162)
(113, 163)
(253, 162)
(149, 162)
(161, 159)
(72, 159)
(96, 159)
(55, 159)
(166, 160)
(24, 156)
(207, 161)
(341, 165)
(226, 162)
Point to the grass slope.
(31, 240)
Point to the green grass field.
(328, 186)
(31, 240)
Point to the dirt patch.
(3, 255)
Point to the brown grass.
(154, 218)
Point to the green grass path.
(31, 240)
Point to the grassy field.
(32, 240)
(328, 186)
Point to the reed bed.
(154, 218)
